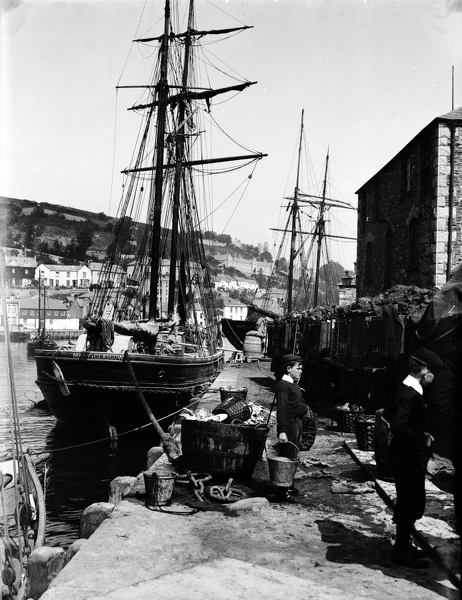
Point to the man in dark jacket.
(409, 452)
(291, 408)
(447, 398)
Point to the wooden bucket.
(221, 449)
(282, 469)
(159, 487)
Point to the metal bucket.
(159, 487)
(282, 469)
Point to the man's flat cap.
(287, 358)
(428, 358)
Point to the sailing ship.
(307, 282)
(41, 339)
(22, 498)
(158, 335)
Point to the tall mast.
(320, 231)
(39, 306)
(44, 312)
(180, 142)
(294, 222)
(162, 89)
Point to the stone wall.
(411, 193)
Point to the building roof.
(233, 302)
(63, 267)
(453, 115)
(50, 304)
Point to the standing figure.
(447, 398)
(409, 453)
(291, 408)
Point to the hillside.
(49, 228)
(75, 234)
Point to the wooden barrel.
(252, 347)
(382, 439)
(220, 449)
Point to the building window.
(48, 313)
(24, 312)
(26, 271)
(405, 174)
(56, 313)
(31, 313)
(414, 239)
(13, 270)
(426, 164)
(387, 275)
(368, 270)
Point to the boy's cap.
(287, 358)
(428, 358)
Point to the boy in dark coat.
(409, 452)
(291, 408)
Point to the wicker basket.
(235, 407)
(231, 392)
(365, 430)
(309, 431)
(346, 418)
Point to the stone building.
(247, 266)
(410, 212)
(19, 269)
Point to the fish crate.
(364, 427)
(220, 449)
(345, 418)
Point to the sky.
(369, 76)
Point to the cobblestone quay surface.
(327, 545)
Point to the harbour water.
(80, 468)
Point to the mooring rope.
(108, 438)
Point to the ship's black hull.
(94, 390)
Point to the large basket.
(309, 431)
(346, 418)
(231, 392)
(220, 449)
(364, 430)
(235, 408)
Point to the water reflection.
(80, 469)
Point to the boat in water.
(22, 498)
(41, 340)
(308, 265)
(158, 334)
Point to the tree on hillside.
(14, 213)
(332, 272)
(56, 248)
(282, 265)
(265, 255)
(250, 249)
(38, 212)
(224, 238)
